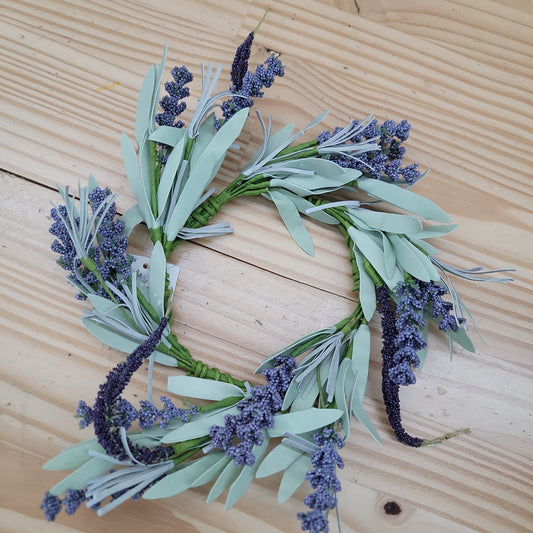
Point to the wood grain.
(460, 71)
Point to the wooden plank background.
(459, 70)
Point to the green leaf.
(168, 135)
(293, 477)
(78, 479)
(246, 476)
(124, 344)
(140, 189)
(206, 133)
(143, 118)
(461, 337)
(403, 199)
(277, 460)
(201, 173)
(198, 426)
(367, 289)
(389, 256)
(168, 178)
(205, 389)
(292, 220)
(74, 456)
(340, 396)
(375, 255)
(213, 471)
(434, 231)
(361, 358)
(228, 476)
(302, 421)
(408, 259)
(131, 218)
(158, 271)
(390, 222)
(183, 479)
(360, 414)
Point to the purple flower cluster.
(239, 68)
(149, 414)
(111, 412)
(108, 250)
(250, 87)
(243, 431)
(52, 504)
(323, 479)
(385, 163)
(173, 103)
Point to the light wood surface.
(460, 71)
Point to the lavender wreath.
(300, 419)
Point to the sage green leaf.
(74, 456)
(198, 426)
(158, 272)
(131, 218)
(228, 476)
(340, 396)
(143, 117)
(302, 402)
(140, 189)
(389, 256)
(205, 389)
(291, 394)
(124, 344)
(361, 358)
(367, 289)
(403, 198)
(302, 421)
(277, 183)
(206, 132)
(213, 471)
(390, 222)
(360, 414)
(433, 231)
(423, 245)
(293, 477)
(293, 222)
(408, 259)
(202, 172)
(183, 479)
(168, 135)
(246, 476)
(302, 205)
(168, 178)
(277, 460)
(275, 143)
(375, 255)
(78, 479)
(461, 337)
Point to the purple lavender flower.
(149, 413)
(172, 103)
(243, 431)
(85, 413)
(108, 410)
(323, 479)
(72, 500)
(107, 249)
(384, 163)
(240, 61)
(51, 506)
(390, 388)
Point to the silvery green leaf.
(246, 475)
(168, 135)
(361, 357)
(131, 218)
(183, 479)
(302, 421)
(143, 118)
(293, 477)
(277, 183)
(140, 189)
(433, 231)
(367, 289)
(461, 337)
(308, 394)
(288, 350)
(213, 471)
(303, 205)
(74, 456)
(390, 222)
(423, 245)
(290, 395)
(168, 177)
(403, 198)
(202, 172)
(360, 414)
(340, 396)
(389, 256)
(198, 426)
(205, 389)
(375, 255)
(292, 220)
(78, 479)
(277, 460)
(124, 344)
(158, 271)
(408, 259)
(228, 476)
(206, 132)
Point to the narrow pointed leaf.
(367, 289)
(302, 421)
(361, 358)
(158, 271)
(277, 460)
(78, 479)
(205, 389)
(74, 456)
(228, 476)
(293, 477)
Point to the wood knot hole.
(392, 508)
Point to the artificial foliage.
(352, 177)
